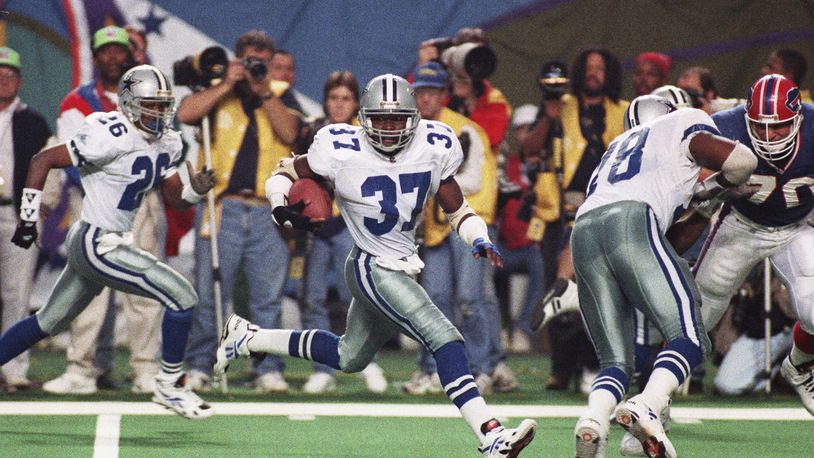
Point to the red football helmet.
(774, 101)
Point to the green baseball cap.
(108, 35)
(10, 58)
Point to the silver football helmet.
(645, 108)
(388, 95)
(145, 98)
(679, 97)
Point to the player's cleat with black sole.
(630, 446)
(802, 379)
(500, 442)
(559, 299)
(233, 342)
(590, 438)
(178, 397)
(639, 420)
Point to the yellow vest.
(484, 202)
(547, 188)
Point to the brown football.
(316, 197)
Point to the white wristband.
(30, 205)
(473, 228)
(277, 187)
(189, 194)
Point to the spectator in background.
(791, 64)
(244, 152)
(651, 71)
(520, 253)
(331, 244)
(91, 354)
(700, 84)
(591, 116)
(283, 68)
(23, 132)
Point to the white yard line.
(381, 410)
(106, 444)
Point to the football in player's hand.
(316, 197)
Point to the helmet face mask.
(388, 113)
(646, 108)
(145, 98)
(773, 117)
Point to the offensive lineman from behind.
(622, 261)
(383, 173)
(120, 155)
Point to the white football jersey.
(381, 199)
(117, 166)
(652, 164)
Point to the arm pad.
(469, 225)
(738, 167)
(277, 187)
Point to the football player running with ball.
(120, 155)
(382, 174)
(624, 261)
(772, 222)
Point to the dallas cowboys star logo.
(129, 82)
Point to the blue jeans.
(456, 283)
(326, 260)
(528, 260)
(248, 239)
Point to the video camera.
(199, 70)
(553, 80)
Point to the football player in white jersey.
(623, 261)
(382, 174)
(120, 155)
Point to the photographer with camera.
(251, 131)
(590, 116)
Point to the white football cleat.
(639, 420)
(423, 383)
(374, 378)
(562, 297)
(319, 383)
(590, 438)
(177, 396)
(233, 342)
(630, 446)
(802, 381)
(501, 442)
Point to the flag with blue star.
(152, 22)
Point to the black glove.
(201, 182)
(291, 216)
(25, 235)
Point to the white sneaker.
(521, 343)
(373, 375)
(640, 420)
(591, 438)
(144, 384)
(501, 442)
(423, 383)
(484, 383)
(271, 382)
(233, 342)
(560, 298)
(70, 383)
(503, 378)
(802, 381)
(178, 397)
(199, 381)
(320, 382)
(630, 446)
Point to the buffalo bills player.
(772, 222)
(382, 173)
(120, 155)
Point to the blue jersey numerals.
(149, 176)
(385, 187)
(627, 159)
(117, 129)
(354, 142)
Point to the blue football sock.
(19, 338)
(614, 380)
(453, 370)
(679, 356)
(174, 333)
(315, 345)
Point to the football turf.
(358, 429)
